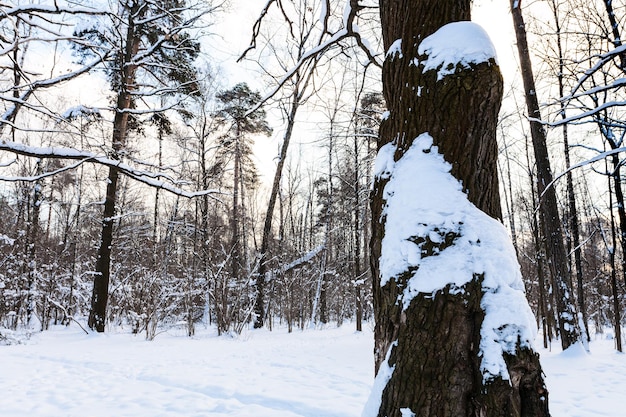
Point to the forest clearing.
(310, 373)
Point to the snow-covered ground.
(586, 385)
(315, 373)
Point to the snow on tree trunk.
(453, 329)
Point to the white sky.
(232, 35)
(495, 18)
(235, 28)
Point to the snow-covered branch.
(603, 59)
(599, 157)
(579, 91)
(153, 179)
(586, 114)
(304, 259)
(35, 9)
(22, 101)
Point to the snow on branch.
(579, 92)
(9, 116)
(603, 60)
(599, 157)
(36, 9)
(461, 43)
(32, 178)
(304, 259)
(153, 179)
(595, 90)
(173, 32)
(587, 114)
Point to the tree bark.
(356, 224)
(619, 196)
(235, 218)
(621, 207)
(573, 237)
(102, 276)
(548, 209)
(432, 344)
(546, 311)
(617, 39)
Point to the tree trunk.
(546, 310)
(548, 209)
(235, 246)
(430, 373)
(356, 188)
(100, 293)
(616, 307)
(617, 39)
(508, 198)
(573, 237)
(621, 208)
(259, 307)
(102, 276)
(33, 236)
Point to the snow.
(426, 204)
(384, 163)
(456, 43)
(80, 110)
(65, 372)
(315, 373)
(395, 50)
(383, 376)
(5, 240)
(582, 384)
(407, 412)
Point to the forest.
(143, 186)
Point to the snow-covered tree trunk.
(453, 329)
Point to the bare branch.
(9, 116)
(256, 29)
(588, 114)
(349, 30)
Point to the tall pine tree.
(153, 54)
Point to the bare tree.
(550, 219)
(296, 91)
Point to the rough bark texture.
(99, 296)
(437, 367)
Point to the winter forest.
(192, 166)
